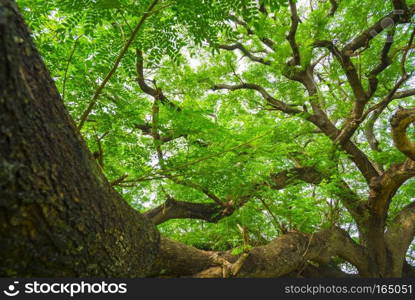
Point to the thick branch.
(321, 120)
(306, 174)
(383, 188)
(358, 115)
(173, 209)
(349, 69)
(213, 212)
(361, 97)
(176, 259)
(282, 256)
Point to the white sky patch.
(194, 63)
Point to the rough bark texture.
(284, 255)
(59, 216)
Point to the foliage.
(225, 142)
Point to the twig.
(67, 66)
(91, 105)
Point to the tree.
(278, 128)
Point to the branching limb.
(156, 93)
(361, 97)
(277, 104)
(383, 188)
(401, 14)
(212, 212)
(295, 20)
(349, 69)
(392, 95)
(173, 209)
(245, 52)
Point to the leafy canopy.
(221, 142)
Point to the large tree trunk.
(58, 214)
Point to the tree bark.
(59, 215)
(281, 257)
